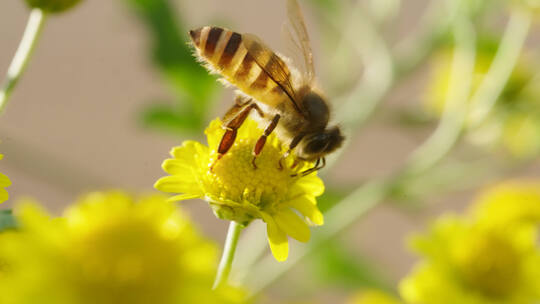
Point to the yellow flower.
(509, 203)
(533, 5)
(109, 248)
(236, 191)
(469, 263)
(373, 297)
(4, 183)
(513, 122)
(520, 134)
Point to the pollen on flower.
(235, 175)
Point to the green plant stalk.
(228, 254)
(502, 66)
(450, 127)
(25, 50)
(385, 67)
(364, 199)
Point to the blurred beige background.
(71, 124)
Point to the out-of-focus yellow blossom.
(520, 134)
(373, 297)
(509, 203)
(533, 5)
(109, 248)
(470, 263)
(52, 6)
(4, 183)
(236, 191)
(513, 122)
(435, 98)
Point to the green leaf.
(170, 119)
(330, 197)
(325, 5)
(7, 220)
(414, 119)
(335, 264)
(191, 83)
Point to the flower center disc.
(237, 179)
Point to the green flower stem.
(228, 254)
(365, 198)
(18, 65)
(503, 64)
(384, 68)
(452, 121)
(432, 27)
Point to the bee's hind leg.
(262, 140)
(231, 128)
(240, 103)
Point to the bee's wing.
(273, 66)
(298, 32)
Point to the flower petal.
(214, 132)
(187, 151)
(279, 244)
(310, 184)
(307, 206)
(185, 183)
(177, 167)
(183, 197)
(4, 181)
(293, 225)
(250, 129)
(4, 196)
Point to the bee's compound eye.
(317, 144)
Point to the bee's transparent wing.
(273, 66)
(296, 29)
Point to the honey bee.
(285, 100)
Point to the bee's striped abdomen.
(227, 55)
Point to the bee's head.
(317, 145)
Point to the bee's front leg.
(296, 140)
(315, 168)
(262, 140)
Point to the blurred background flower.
(109, 248)
(4, 183)
(493, 258)
(373, 297)
(515, 202)
(529, 4)
(515, 120)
